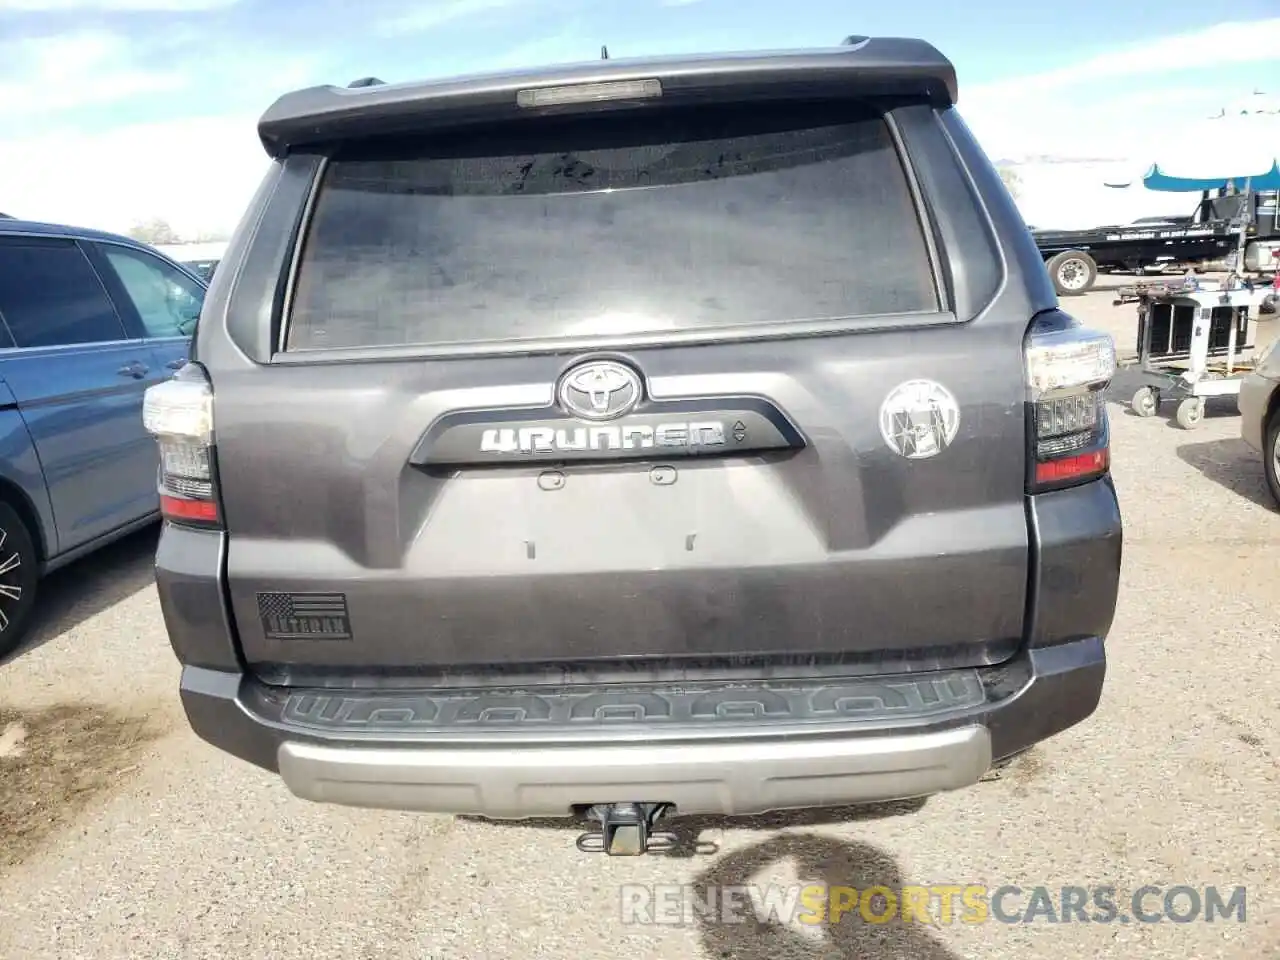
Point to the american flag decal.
(304, 616)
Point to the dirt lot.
(54, 763)
(123, 836)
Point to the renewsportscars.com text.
(935, 904)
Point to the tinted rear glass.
(674, 221)
(50, 296)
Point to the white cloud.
(60, 161)
(197, 174)
(41, 76)
(434, 13)
(1106, 118)
(1243, 42)
(62, 6)
(1123, 102)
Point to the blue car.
(88, 321)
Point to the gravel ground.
(172, 850)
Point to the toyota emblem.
(600, 390)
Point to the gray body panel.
(884, 66)
(840, 548)
(486, 596)
(816, 551)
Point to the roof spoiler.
(879, 67)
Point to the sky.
(113, 112)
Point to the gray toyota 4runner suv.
(635, 439)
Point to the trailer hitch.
(626, 830)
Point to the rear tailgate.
(669, 388)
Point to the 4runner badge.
(919, 419)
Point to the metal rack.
(1195, 340)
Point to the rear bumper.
(716, 749)
(732, 778)
(707, 746)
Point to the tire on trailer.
(1073, 272)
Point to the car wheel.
(1271, 459)
(19, 573)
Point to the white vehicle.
(201, 258)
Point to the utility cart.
(1195, 340)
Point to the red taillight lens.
(1092, 464)
(176, 508)
(179, 414)
(1068, 370)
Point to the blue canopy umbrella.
(1157, 179)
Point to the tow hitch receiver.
(626, 830)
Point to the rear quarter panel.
(20, 471)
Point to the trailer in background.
(1217, 230)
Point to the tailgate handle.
(666, 430)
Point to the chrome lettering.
(537, 439)
(541, 440)
(640, 436)
(673, 434)
(579, 441)
(707, 434)
(606, 438)
(498, 441)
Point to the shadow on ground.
(688, 831)
(73, 594)
(825, 861)
(1231, 464)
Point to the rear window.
(625, 225)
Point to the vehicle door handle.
(177, 364)
(133, 369)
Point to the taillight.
(1068, 370)
(179, 414)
